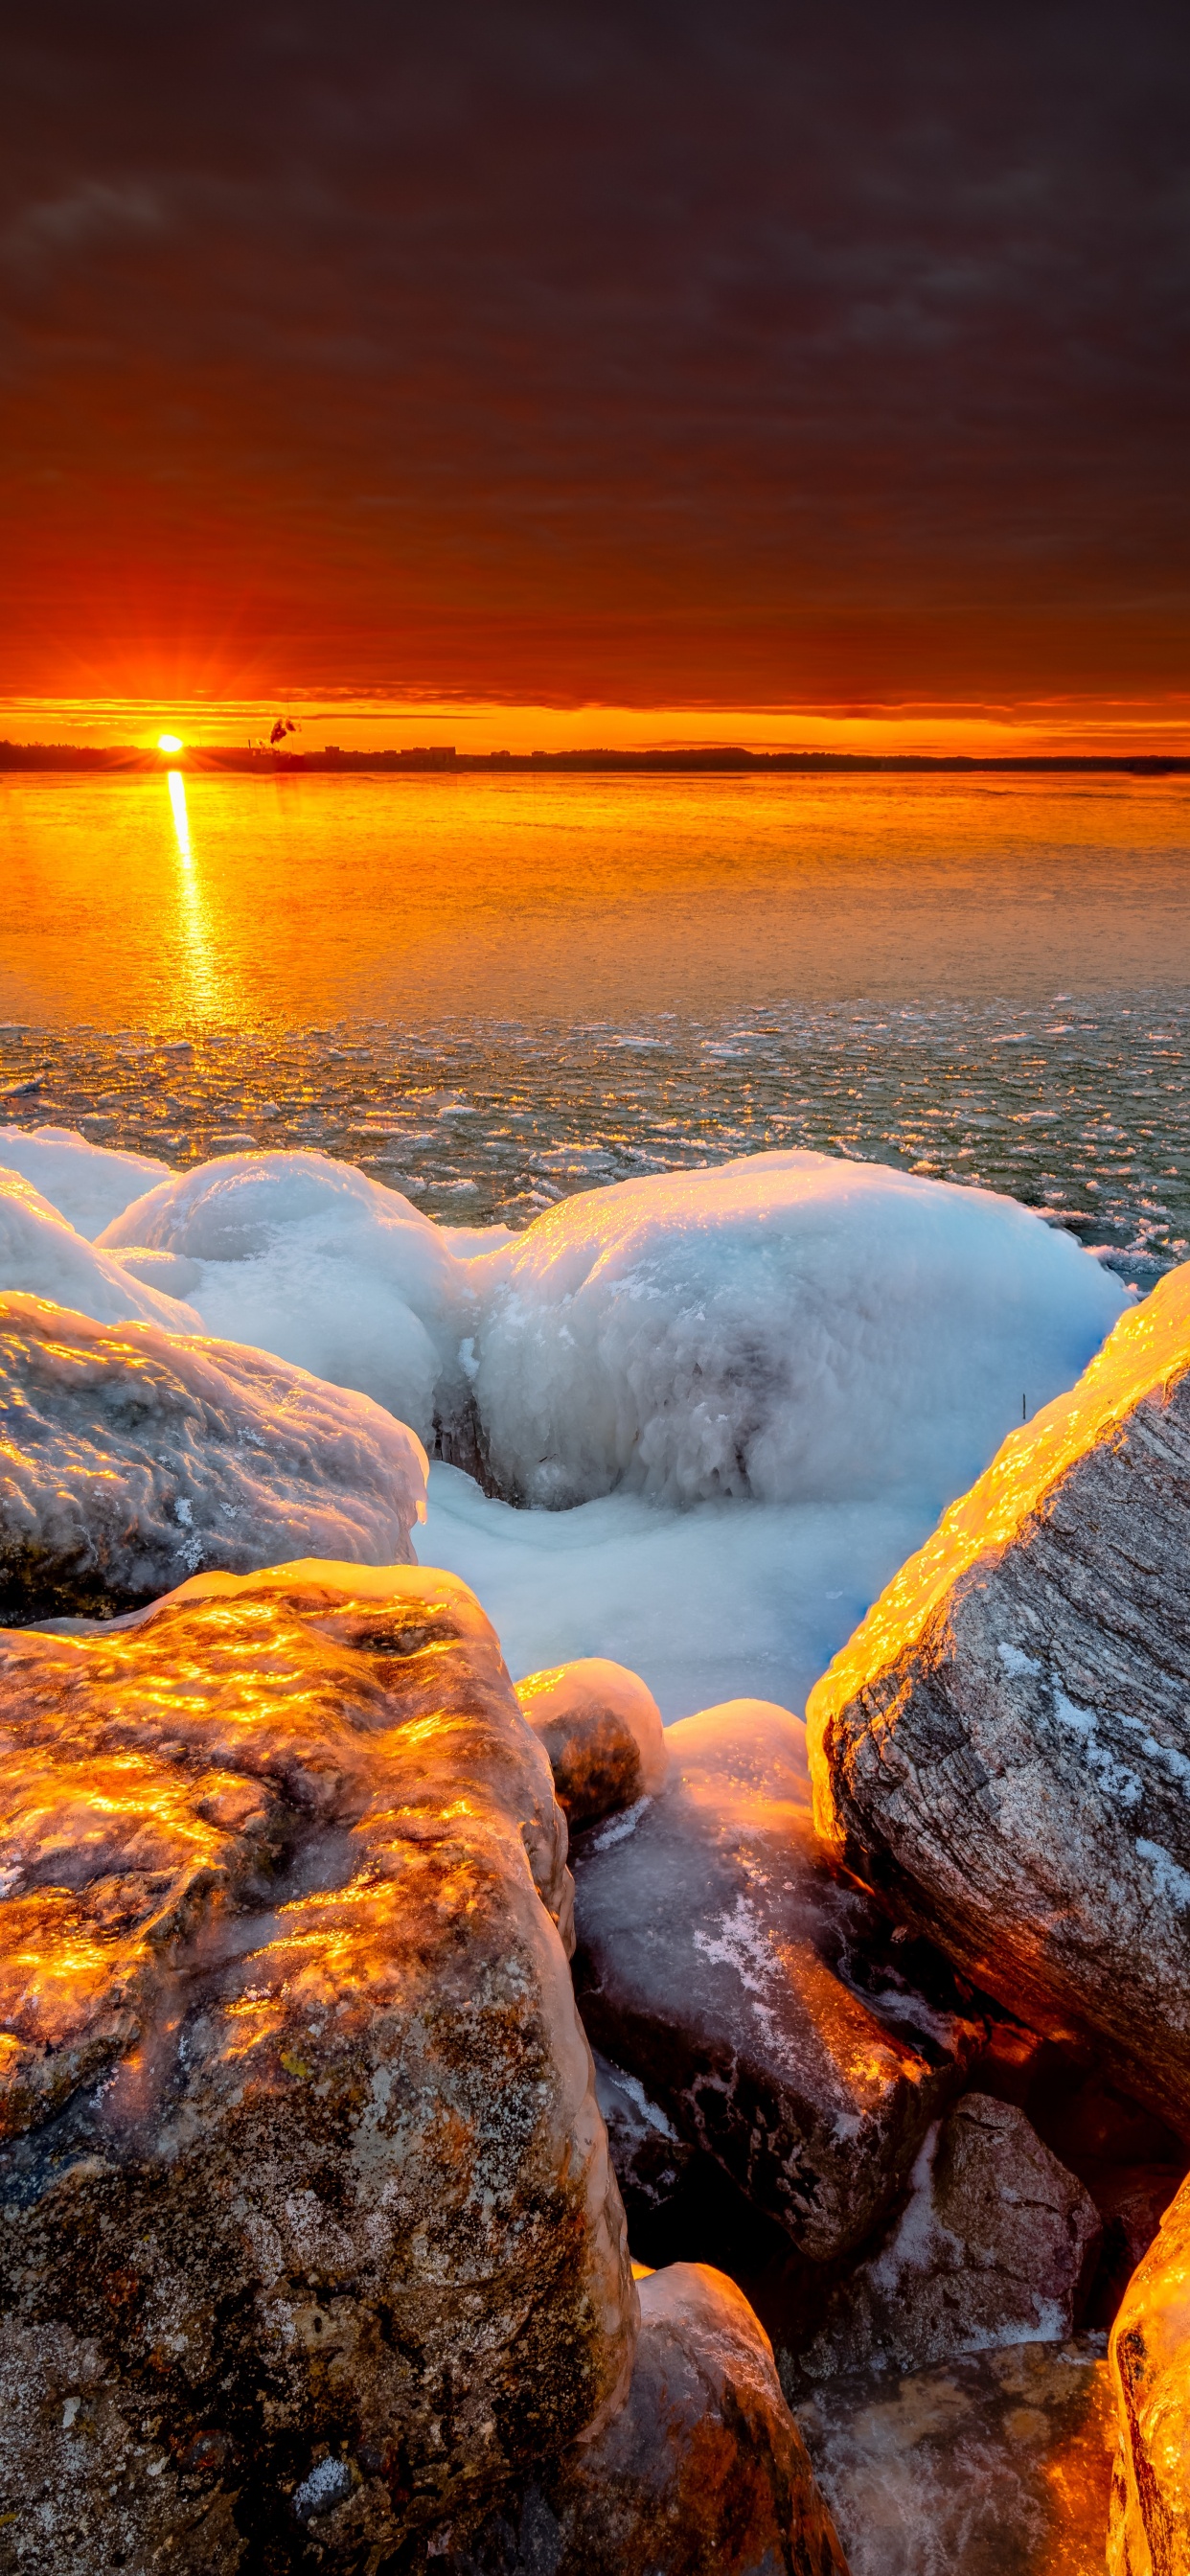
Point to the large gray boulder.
(758, 2003)
(134, 1457)
(1003, 1749)
(308, 2212)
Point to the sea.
(491, 992)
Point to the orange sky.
(574, 374)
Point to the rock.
(41, 1254)
(762, 2006)
(649, 2159)
(602, 1731)
(1150, 2366)
(88, 1184)
(997, 2244)
(996, 2465)
(702, 2469)
(133, 1457)
(1004, 1749)
(309, 2220)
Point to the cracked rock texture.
(1150, 2364)
(996, 2244)
(703, 2469)
(995, 2465)
(762, 2006)
(602, 1730)
(309, 2230)
(1003, 1749)
(132, 1457)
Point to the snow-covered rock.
(757, 2001)
(132, 1457)
(995, 2465)
(1150, 2367)
(306, 1257)
(701, 2470)
(602, 1731)
(1004, 1747)
(88, 1184)
(310, 2227)
(41, 1252)
(791, 1326)
(995, 2245)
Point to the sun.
(169, 742)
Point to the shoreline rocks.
(1003, 1750)
(1150, 2367)
(308, 2212)
(760, 2004)
(602, 1731)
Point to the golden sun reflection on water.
(209, 997)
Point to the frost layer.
(88, 1184)
(308, 1258)
(41, 1252)
(791, 1327)
(132, 1457)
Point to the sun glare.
(169, 742)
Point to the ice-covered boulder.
(133, 1457)
(306, 2192)
(306, 1257)
(41, 1253)
(602, 1730)
(703, 2469)
(1150, 2367)
(761, 2005)
(1004, 1746)
(792, 1326)
(996, 2245)
(88, 1184)
(995, 2465)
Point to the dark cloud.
(632, 351)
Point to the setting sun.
(169, 742)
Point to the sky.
(654, 370)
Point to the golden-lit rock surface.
(307, 2208)
(998, 2464)
(1150, 2363)
(131, 1457)
(701, 2473)
(602, 1730)
(1003, 1748)
(760, 2004)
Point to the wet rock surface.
(996, 2244)
(133, 1457)
(763, 2007)
(601, 1728)
(1150, 2364)
(995, 2465)
(1003, 1749)
(309, 2231)
(701, 2469)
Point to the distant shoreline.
(728, 761)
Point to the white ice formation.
(41, 1252)
(88, 1184)
(791, 1327)
(304, 1256)
(134, 1457)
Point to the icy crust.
(602, 1730)
(88, 1184)
(789, 1326)
(306, 1257)
(133, 1456)
(757, 2001)
(42, 1253)
(302, 2151)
